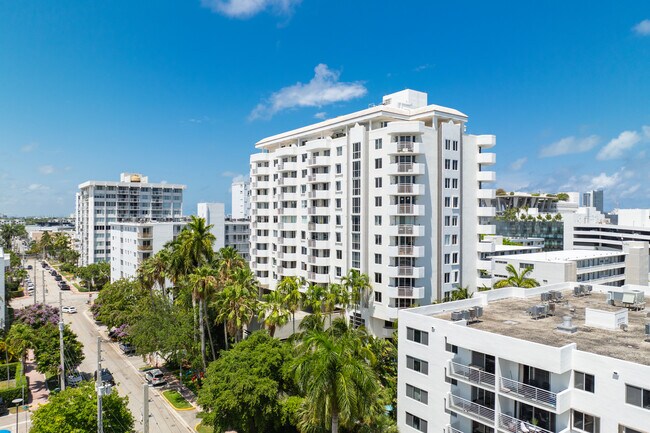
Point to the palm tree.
(289, 287)
(228, 259)
(335, 295)
(20, 338)
(336, 378)
(237, 303)
(273, 312)
(356, 283)
(516, 279)
(195, 243)
(461, 293)
(203, 282)
(315, 298)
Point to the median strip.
(177, 400)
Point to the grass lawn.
(4, 384)
(204, 429)
(176, 399)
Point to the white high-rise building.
(214, 214)
(132, 199)
(562, 358)
(134, 242)
(397, 191)
(241, 204)
(5, 261)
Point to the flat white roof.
(516, 248)
(564, 256)
(130, 184)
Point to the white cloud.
(29, 147)
(421, 68)
(617, 147)
(320, 115)
(37, 187)
(247, 8)
(321, 90)
(604, 181)
(569, 145)
(229, 174)
(642, 28)
(239, 178)
(46, 169)
(646, 131)
(517, 164)
(631, 190)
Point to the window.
(339, 169)
(338, 185)
(586, 422)
(378, 259)
(378, 163)
(378, 143)
(417, 394)
(450, 347)
(417, 423)
(338, 203)
(416, 364)
(456, 202)
(447, 144)
(377, 201)
(447, 182)
(447, 164)
(637, 396)
(455, 145)
(378, 182)
(447, 201)
(454, 258)
(338, 237)
(339, 272)
(447, 221)
(454, 165)
(339, 151)
(339, 254)
(454, 239)
(454, 183)
(377, 220)
(447, 259)
(623, 429)
(584, 381)
(377, 296)
(447, 277)
(417, 336)
(377, 239)
(377, 278)
(338, 220)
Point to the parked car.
(44, 264)
(58, 278)
(155, 377)
(30, 267)
(127, 348)
(69, 309)
(52, 272)
(73, 379)
(106, 376)
(64, 286)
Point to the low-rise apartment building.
(563, 358)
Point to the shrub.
(8, 394)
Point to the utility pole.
(43, 277)
(34, 283)
(100, 387)
(61, 347)
(145, 409)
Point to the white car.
(69, 309)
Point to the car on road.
(29, 267)
(52, 272)
(106, 376)
(69, 309)
(58, 278)
(74, 379)
(127, 348)
(155, 377)
(64, 286)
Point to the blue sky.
(181, 90)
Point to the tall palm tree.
(20, 338)
(461, 293)
(237, 303)
(228, 259)
(273, 312)
(336, 379)
(203, 282)
(335, 295)
(195, 243)
(289, 287)
(516, 279)
(357, 285)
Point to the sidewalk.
(36, 383)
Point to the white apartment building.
(241, 196)
(5, 261)
(397, 191)
(504, 361)
(214, 214)
(132, 243)
(634, 217)
(237, 235)
(494, 246)
(99, 204)
(611, 268)
(600, 236)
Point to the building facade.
(595, 198)
(133, 243)
(214, 214)
(551, 231)
(603, 236)
(515, 370)
(398, 191)
(99, 204)
(241, 196)
(237, 235)
(5, 261)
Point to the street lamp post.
(17, 401)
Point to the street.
(129, 380)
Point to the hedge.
(16, 294)
(13, 367)
(9, 394)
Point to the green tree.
(563, 196)
(47, 353)
(358, 285)
(273, 311)
(461, 293)
(516, 279)
(315, 298)
(289, 287)
(333, 372)
(204, 283)
(117, 301)
(75, 411)
(20, 338)
(245, 388)
(95, 275)
(237, 303)
(10, 231)
(335, 294)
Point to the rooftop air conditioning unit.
(546, 297)
(647, 332)
(557, 295)
(456, 316)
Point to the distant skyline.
(182, 91)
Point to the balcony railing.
(405, 271)
(529, 392)
(405, 291)
(404, 229)
(405, 146)
(514, 425)
(451, 429)
(405, 168)
(405, 250)
(460, 404)
(405, 188)
(405, 209)
(472, 374)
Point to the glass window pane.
(633, 395)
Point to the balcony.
(406, 230)
(404, 148)
(287, 196)
(260, 170)
(487, 158)
(486, 212)
(408, 168)
(313, 227)
(406, 271)
(514, 425)
(486, 194)
(451, 429)
(322, 194)
(474, 375)
(146, 235)
(528, 393)
(405, 251)
(406, 209)
(318, 278)
(318, 177)
(405, 292)
(486, 141)
(287, 166)
(261, 184)
(486, 176)
(405, 127)
(486, 229)
(466, 407)
(318, 244)
(319, 210)
(318, 261)
(287, 211)
(406, 189)
(145, 248)
(318, 160)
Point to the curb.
(174, 407)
